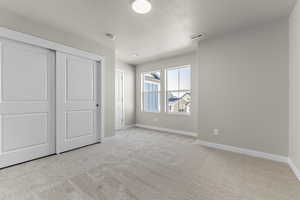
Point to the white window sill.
(168, 113)
(178, 113)
(154, 112)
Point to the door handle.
(97, 105)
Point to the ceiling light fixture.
(141, 6)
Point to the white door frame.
(33, 40)
(123, 97)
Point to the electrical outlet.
(216, 131)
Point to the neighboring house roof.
(155, 76)
(174, 99)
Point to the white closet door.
(119, 88)
(27, 101)
(76, 108)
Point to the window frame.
(142, 107)
(168, 91)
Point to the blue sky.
(185, 79)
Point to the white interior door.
(119, 84)
(26, 102)
(76, 104)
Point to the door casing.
(121, 74)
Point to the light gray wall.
(19, 23)
(240, 85)
(295, 86)
(129, 91)
(244, 84)
(163, 119)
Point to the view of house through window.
(179, 89)
(151, 91)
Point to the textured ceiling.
(165, 31)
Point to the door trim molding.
(123, 96)
(37, 41)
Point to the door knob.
(97, 105)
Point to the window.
(178, 80)
(151, 91)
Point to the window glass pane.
(184, 104)
(172, 79)
(151, 101)
(151, 91)
(172, 101)
(179, 102)
(151, 79)
(185, 78)
(156, 101)
(179, 90)
(146, 87)
(145, 101)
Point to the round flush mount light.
(141, 6)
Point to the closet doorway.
(50, 98)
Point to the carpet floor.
(139, 164)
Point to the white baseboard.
(129, 126)
(248, 152)
(126, 127)
(179, 132)
(294, 168)
(104, 139)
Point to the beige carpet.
(139, 164)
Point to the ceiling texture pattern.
(166, 30)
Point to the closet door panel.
(76, 102)
(26, 102)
